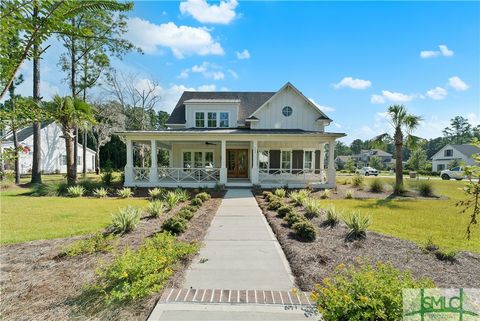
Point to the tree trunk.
(75, 153)
(69, 141)
(398, 160)
(73, 85)
(97, 160)
(84, 153)
(17, 157)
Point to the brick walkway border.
(236, 296)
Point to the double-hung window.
(224, 121)
(211, 119)
(200, 119)
(187, 160)
(263, 160)
(308, 160)
(197, 159)
(286, 163)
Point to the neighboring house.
(340, 161)
(53, 153)
(448, 153)
(236, 139)
(363, 159)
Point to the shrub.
(50, 189)
(358, 225)
(196, 201)
(100, 192)
(155, 193)
(125, 192)
(449, 256)
(191, 208)
(265, 194)
(204, 196)
(349, 194)
(275, 204)
(312, 206)
(93, 244)
(272, 197)
(425, 188)
(293, 217)
(175, 225)
(136, 274)
(182, 194)
(171, 199)
(298, 197)
(365, 292)
(333, 216)
(305, 230)
(357, 180)
(155, 208)
(284, 210)
(107, 178)
(280, 192)
(186, 213)
(125, 220)
(376, 185)
(75, 191)
(325, 194)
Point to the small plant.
(75, 191)
(312, 207)
(182, 194)
(280, 192)
(349, 194)
(358, 225)
(171, 199)
(155, 193)
(284, 210)
(305, 230)
(175, 225)
(100, 192)
(376, 185)
(357, 180)
(204, 196)
(298, 197)
(425, 188)
(155, 208)
(196, 202)
(265, 194)
(325, 194)
(449, 256)
(191, 208)
(125, 220)
(275, 204)
(430, 246)
(272, 197)
(186, 213)
(293, 217)
(93, 244)
(333, 216)
(107, 178)
(125, 192)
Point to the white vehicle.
(367, 171)
(457, 173)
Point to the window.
(212, 119)
(455, 169)
(308, 159)
(286, 163)
(263, 159)
(224, 119)
(197, 159)
(199, 119)
(208, 159)
(187, 160)
(440, 167)
(448, 152)
(287, 111)
(63, 160)
(79, 160)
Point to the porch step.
(239, 184)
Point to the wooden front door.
(237, 163)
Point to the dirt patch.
(37, 285)
(313, 261)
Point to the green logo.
(441, 304)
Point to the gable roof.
(466, 149)
(248, 102)
(26, 132)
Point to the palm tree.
(403, 125)
(70, 113)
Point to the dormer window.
(212, 119)
(287, 111)
(200, 119)
(224, 121)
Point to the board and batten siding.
(303, 117)
(231, 108)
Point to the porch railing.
(284, 176)
(141, 174)
(189, 174)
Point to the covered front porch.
(172, 159)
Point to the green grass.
(25, 218)
(417, 220)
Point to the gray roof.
(343, 158)
(26, 132)
(249, 102)
(467, 150)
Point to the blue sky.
(352, 58)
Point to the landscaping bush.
(305, 230)
(136, 274)
(425, 188)
(182, 194)
(333, 216)
(171, 199)
(298, 197)
(125, 192)
(266, 194)
(449, 256)
(93, 244)
(357, 224)
(312, 206)
(191, 208)
(107, 178)
(50, 189)
(272, 197)
(204, 196)
(325, 194)
(155, 208)
(75, 191)
(284, 210)
(196, 202)
(125, 220)
(186, 213)
(376, 185)
(293, 217)
(365, 292)
(349, 194)
(357, 180)
(156, 193)
(100, 192)
(175, 225)
(280, 192)
(275, 204)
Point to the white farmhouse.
(53, 153)
(448, 153)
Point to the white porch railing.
(285, 176)
(141, 174)
(189, 174)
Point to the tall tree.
(418, 159)
(403, 125)
(459, 132)
(36, 155)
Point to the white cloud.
(444, 51)
(223, 13)
(245, 54)
(391, 96)
(429, 54)
(473, 119)
(233, 73)
(325, 109)
(457, 84)
(437, 93)
(183, 74)
(211, 87)
(353, 83)
(181, 40)
(377, 99)
(207, 70)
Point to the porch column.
(223, 162)
(322, 159)
(153, 161)
(129, 165)
(331, 164)
(254, 173)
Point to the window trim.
(192, 157)
(312, 166)
(448, 150)
(281, 158)
(259, 151)
(199, 113)
(217, 118)
(220, 119)
(285, 108)
(215, 114)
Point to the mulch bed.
(38, 285)
(311, 262)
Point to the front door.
(237, 163)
